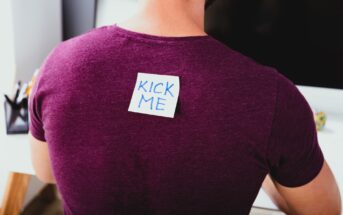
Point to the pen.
(22, 93)
(17, 92)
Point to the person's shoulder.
(76, 57)
(241, 64)
(288, 91)
(81, 51)
(87, 44)
(250, 75)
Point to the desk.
(15, 151)
(14, 159)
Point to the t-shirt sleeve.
(39, 92)
(36, 125)
(294, 155)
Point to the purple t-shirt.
(235, 122)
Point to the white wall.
(28, 31)
(7, 61)
(37, 26)
(6, 64)
(114, 11)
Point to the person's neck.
(168, 18)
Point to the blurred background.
(301, 38)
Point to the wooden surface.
(15, 193)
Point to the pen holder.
(17, 118)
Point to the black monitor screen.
(302, 39)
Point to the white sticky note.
(155, 95)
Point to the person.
(235, 123)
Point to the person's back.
(235, 122)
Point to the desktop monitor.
(302, 39)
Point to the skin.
(186, 18)
(41, 160)
(318, 197)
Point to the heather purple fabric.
(235, 122)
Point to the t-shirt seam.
(276, 99)
(156, 40)
(35, 89)
(39, 135)
(34, 97)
